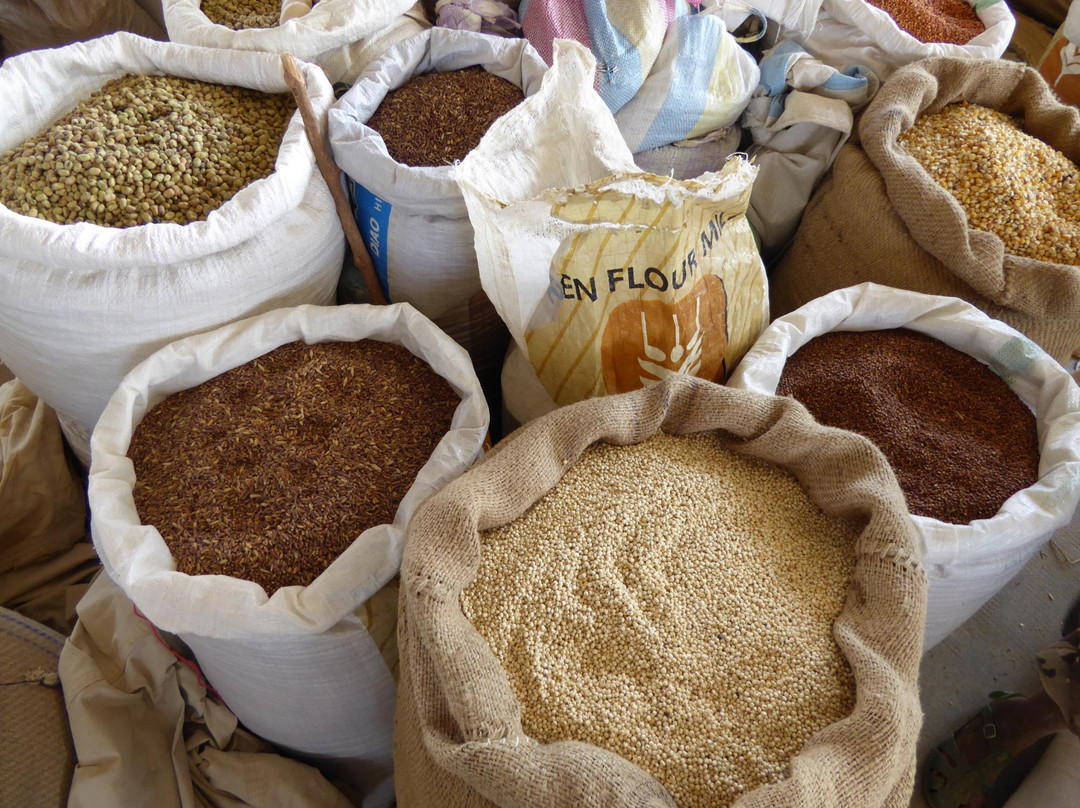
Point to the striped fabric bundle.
(668, 72)
(701, 81)
(625, 38)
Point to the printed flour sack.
(82, 304)
(1060, 64)
(305, 668)
(608, 279)
(341, 36)
(413, 219)
(966, 564)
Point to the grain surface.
(672, 602)
(437, 118)
(269, 471)
(243, 14)
(959, 439)
(1008, 182)
(146, 149)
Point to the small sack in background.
(852, 33)
(482, 16)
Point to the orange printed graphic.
(645, 341)
(1061, 67)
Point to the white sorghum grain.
(146, 149)
(672, 602)
(1008, 182)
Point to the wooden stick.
(332, 174)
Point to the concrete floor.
(995, 649)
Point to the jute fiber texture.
(36, 755)
(880, 217)
(459, 739)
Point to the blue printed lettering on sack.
(373, 219)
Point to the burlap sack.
(459, 739)
(881, 218)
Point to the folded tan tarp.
(46, 560)
(147, 733)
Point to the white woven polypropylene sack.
(80, 304)
(581, 253)
(298, 668)
(853, 33)
(413, 219)
(965, 564)
(332, 34)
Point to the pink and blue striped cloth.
(667, 72)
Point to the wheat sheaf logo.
(645, 341)
(1070, 61)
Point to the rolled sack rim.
(84, 247)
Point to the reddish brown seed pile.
(269, 471)
(952, 21)
(960, 441)
(438, 118)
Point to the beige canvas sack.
(459, 739)
(881, 218)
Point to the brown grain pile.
(951, 21)
(1009, 183)
(959, 439)
(672, 602)
(269, 471)
(437, 118)
(242, 14)
(146, 149)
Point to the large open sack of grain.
(663, 598)
(885, 35)
(181, 218)
(416, 110)
(1005, 238)
(981, 424)
(249, 491)
(341, 36)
